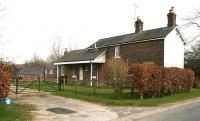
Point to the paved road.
(190, 112)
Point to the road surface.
(190, 112)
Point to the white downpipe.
(57, 73)
(91, 74)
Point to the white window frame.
(51, 71)
(117, 52)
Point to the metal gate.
(20, 86)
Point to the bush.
(154, 80)
(117, 71)
(5, 79)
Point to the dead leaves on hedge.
(155, 80)
(5, 80)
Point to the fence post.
(59, 83)
(74, 78)
(16, 78)
(94, 86)
(44, 75)
(39, 83)
(64, 83)
(75, 90)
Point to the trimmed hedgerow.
(5, 79)
(154, 80)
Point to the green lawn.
(14, 112)
(106, 96)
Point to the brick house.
(50, 72)
(163, 46)
(31, 73)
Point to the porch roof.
(82, 56)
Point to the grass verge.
(15, 112)
(127, 99)
(106, 96)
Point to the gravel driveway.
(56, 108)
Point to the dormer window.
(117, 52)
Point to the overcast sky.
(31, 26)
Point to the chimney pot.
(65, 52)
(171, 16)
(138, 25)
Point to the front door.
(81, 73)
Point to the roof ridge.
(144, 35)
(134, 33)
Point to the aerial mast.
(135, 11)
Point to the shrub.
(5, 79)
(117, 71)
(154, 80)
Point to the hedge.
(5, 79)
(155, 80)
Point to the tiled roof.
(91, 54)
(80, 55)
(31, 70)
(133, 37)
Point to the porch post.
(97, 76)
(57, 73)
(91, 73)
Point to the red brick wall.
(69, 71)
(140, 52)
(50, 76)
(28, 77)
(152, 51)
(101, 72)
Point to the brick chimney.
(171, 16)
(65, 52)
(138, 25)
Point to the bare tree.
(193, 21)
(36, 60)
(192, 59)
(56, 50)
(192, 55)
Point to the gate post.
(59, 83)
(16, 84)
(39, 82)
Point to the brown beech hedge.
(5, 79)
(155, 80)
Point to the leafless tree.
(193, 21)
(56, 50)
(36, 60)
(192, 55)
